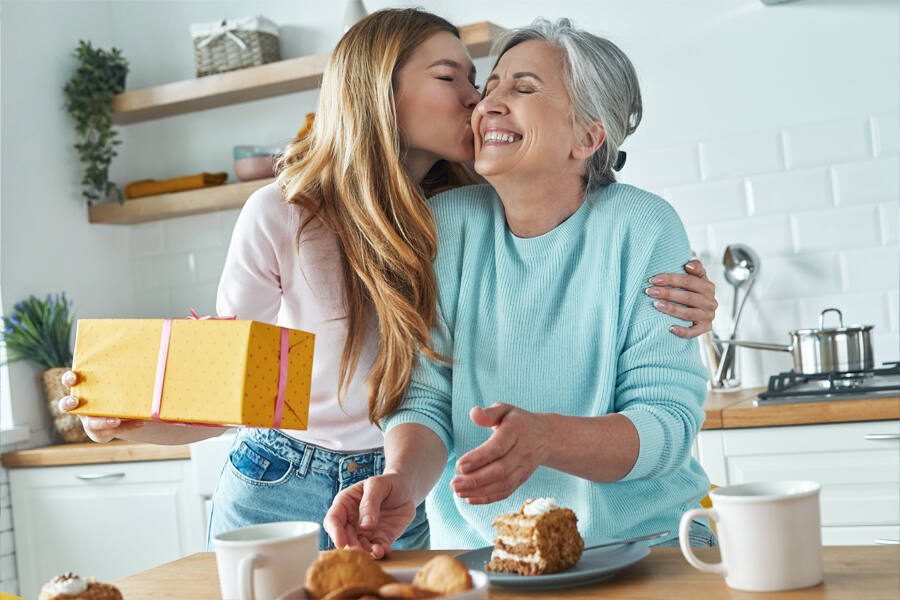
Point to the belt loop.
(379, 462)
(305, 460)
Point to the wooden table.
(851, 572)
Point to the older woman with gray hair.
(559, 381)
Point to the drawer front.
(858, 488)
(160, 471)
(859, 536)
(850, 437)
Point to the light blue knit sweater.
(560, 323)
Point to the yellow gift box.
(206, 371)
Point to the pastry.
(69, 586)
(541, 538)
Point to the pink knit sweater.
(266, 279)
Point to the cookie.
(443, 575)
(336, 569)
(403, 591)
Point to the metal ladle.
(741, 268)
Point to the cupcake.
(69, 586)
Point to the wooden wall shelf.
(178, 204)
(254, 83)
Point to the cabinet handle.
(887, 542)
(876, 437)
(96, 476)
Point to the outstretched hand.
(370, 515)
(519, 444)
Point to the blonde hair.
(347, 172)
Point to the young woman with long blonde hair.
(342, 245)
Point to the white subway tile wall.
(885, 140)
(177, 263)
(787, 191)
(741, 155)
(820, 203)
(867, 181)
(827, 143)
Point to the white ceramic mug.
(264, 561)
(770, 535)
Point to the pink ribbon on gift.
(164, 355)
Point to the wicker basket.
(233, 44)
(68, 426)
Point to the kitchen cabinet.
(103, 520)
(858, 465)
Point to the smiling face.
(524, 124)
(434, 94)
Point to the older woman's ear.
(592, 137)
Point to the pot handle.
(762, 346)
(828, 310)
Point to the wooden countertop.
(728, 410)
(851, 572)
(91, 453)
(724, 410)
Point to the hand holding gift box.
(194, 371)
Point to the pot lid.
(822, 330)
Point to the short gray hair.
(601, 82)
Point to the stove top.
(791, 387)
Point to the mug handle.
(245, 576)
(685, 542)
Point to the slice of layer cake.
(541, 538)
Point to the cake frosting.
(538, 506)
(67, 583)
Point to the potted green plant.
(40, 331)
(89, 95)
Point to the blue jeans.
(270, 477)
(699, 534)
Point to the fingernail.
(690, 266)
(365, 522)
(71, 402)
(655, 292)
(112, 421)
(656, 279)
(661, 305)
(673, 328)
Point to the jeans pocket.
(701, 535)
(259, 465)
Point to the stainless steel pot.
(826, 350)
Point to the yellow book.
(211, 371)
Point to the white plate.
(594, 565)
(479, 589)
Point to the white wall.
(774, 126)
